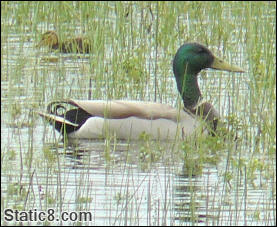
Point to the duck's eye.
(201, 50)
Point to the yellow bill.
(223, 65)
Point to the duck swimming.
(76, 45)
(92, 119)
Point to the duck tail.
(56, 119)
(56, 116)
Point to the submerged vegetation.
(133, 46)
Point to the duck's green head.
(189, 60)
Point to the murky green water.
(138, 183)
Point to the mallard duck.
(129, 119)
(76, 45)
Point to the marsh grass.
(133, 47)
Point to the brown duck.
(76, 45)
